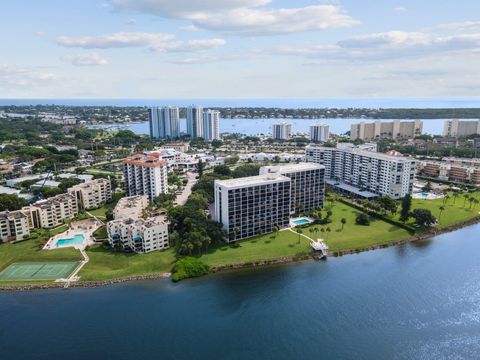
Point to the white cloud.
(189, 46)
(13, 76)
(90, 59)
(400, 9)
(461, 26)
(131, 22)
(244, 17)
(206, 59)
(190, 28)
(389, 45)
(116, 40)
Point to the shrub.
(189, 267)
(362, 219)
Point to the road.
(187, 190)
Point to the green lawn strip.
(106, 264)
(355, 236)
(24, 283)
(31, 250)
(101, 233)
(263, 247)
(455, 211)
(100, 212)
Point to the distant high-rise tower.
(281, 131)
(195, 121)
(164, 122)
(319, 132)
(211, 125)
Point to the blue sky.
(239, 49)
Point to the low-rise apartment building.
(452, 169)
(92, 194)
(132, 233)
(139, 235)
(51, 212)
(307, 184)
(130, 207)
(13, 226)
(362, 171)
(252, 205)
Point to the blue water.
(76, 240)
(264, 126)
(301, 222)
(417, 301)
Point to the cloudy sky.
(239, 49)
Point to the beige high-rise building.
(386, 130)
(92, 194)
(457, 127)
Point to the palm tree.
(455, 196)
(328, 230)
(445, 199)
(299, 232)
(236, 230)
(316, 231)
(470, 200)
(476, 202)
(442, 209)
(276, 229)
(465, 198)
(343, 221)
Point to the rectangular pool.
(75, 240)
(301, 222)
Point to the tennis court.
(38, 271)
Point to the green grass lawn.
(454, 212)
(286, 244)
(100, 212)
(106, 264)
(258, 248)
(31, 250)
(355, 236)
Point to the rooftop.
(252, 181)
(150, 159)
(351, 189)
(363, 152)
(289, 168)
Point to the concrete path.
(73, 276)
(183, 197)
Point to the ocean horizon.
(260, 102)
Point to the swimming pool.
(301, 221)
(76, 240)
